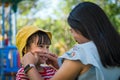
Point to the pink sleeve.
(21, 75)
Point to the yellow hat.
(24, 34)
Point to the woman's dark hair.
(89, 19)
(43, 38)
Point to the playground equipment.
(10, 62)
(9, 57)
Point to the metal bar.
(10, 26)
(3, 21)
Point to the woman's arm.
(68, 71)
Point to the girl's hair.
(43, 38)
(89, 19)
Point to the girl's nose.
(45, 50)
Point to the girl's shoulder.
(48, 68)
(47, 72)
(21, 70)
(21, 75)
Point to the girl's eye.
(43, 46)
(40, 46)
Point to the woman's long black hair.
(92, 22)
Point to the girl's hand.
(29, 58)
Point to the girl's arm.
(33, 74)
(29, 58)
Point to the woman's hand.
(52, 59)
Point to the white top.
(87, 53)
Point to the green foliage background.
(62, 39)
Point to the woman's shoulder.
(86, 53)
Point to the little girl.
(33, 40)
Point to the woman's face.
(37, 50)
(78, 36)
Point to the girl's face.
(78, 36)
(39, 49)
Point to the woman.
(97, 54)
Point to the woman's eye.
(47, 47)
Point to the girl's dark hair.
(43, 38)
(89, 19)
